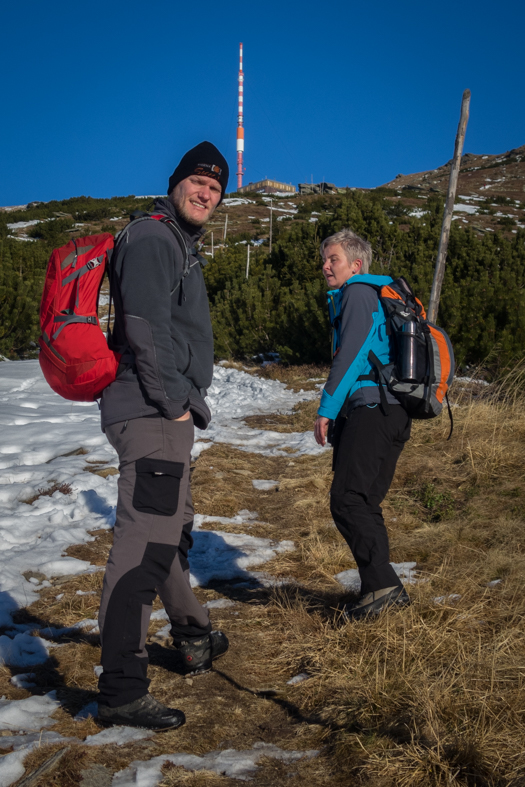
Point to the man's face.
(336, 268)
(196, 197)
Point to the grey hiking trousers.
(149, 556)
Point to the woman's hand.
(320, 429)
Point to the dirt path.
(245, 701)
(430, 695)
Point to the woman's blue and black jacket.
(359, 325)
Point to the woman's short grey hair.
(354, 247)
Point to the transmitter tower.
(240, 126)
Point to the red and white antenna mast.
(240, 128)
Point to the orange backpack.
(423, 366)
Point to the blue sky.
(103, 98)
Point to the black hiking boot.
(373, 603)
(146, 712)
(197, 656)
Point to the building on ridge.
(268, 187)
(318, 188)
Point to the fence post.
(439, 272)
(271, 223)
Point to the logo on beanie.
(211, 170)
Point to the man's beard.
(183, 213)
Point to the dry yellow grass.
(429, 695)
(434, 694)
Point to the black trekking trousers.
(365, 459)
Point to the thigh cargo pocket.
(157, 486)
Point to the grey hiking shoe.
(197, 656)
(146, 712)
(373, 603)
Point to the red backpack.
(74, 354)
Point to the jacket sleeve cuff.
(175, 409)
(328, 407)
(200, 411)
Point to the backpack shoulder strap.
(172, 225)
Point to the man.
(163, 329)
(368, 436)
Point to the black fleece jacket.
(165, 323)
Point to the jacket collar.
(166, 206)
(364, 278)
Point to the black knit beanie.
(203, 159)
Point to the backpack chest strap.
(67, 319)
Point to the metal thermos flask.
(408, 359)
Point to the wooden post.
(271, 223)
(248, 260)
(225, 226)
(48, 765)
(439, 272)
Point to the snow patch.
(297, 679)
(22, 237)
(466, 209)
(47, 441)
(89, 711)
(264, 485)
(11, 765)
(219, 603)
(232, 202)
(229, 762)
(20, 225)
(351, 581)
(29, 715)
(281, 194)
(23, 650)
(470, 380)
(159, 614)
(24, 680)
(220, 555)
(119, 736)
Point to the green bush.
(52, 232)
(22, 268)
(282, 307)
